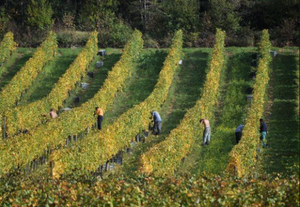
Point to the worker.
(53, 114)
(206, 133)
(99, 113)
(238, 133)
(263, 132)
(157, 122)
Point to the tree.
(94, 10)
(3, 21)
(16, 10)
(145, 14)
(270, 14)
(39, 14)
(223, 15)
(181, 14)
(70, 7)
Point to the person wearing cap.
(206, 133)
(157, 122)
(99, 113)
(263, 132)
(238, 133)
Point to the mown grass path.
(50, 74)
(14, 64)
(282, 155)
(231, 113)
(137, 87)
(95, 83)
(185, 91)
(140, 85)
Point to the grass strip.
(282, 155)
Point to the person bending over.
(238, 133)
(157, 122)
(206, 133)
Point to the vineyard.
(67, 161)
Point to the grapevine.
(17, 118)
(12, 92)
(163, 158)
(243, 156)
(96, 148)
(7, 47)
(25, 147)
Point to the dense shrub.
(243, 38)
(113, 32)
(69, 38)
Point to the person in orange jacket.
(99, 113)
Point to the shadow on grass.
(100, 74)
(186, 89)
(12, 70)
(140, 86)
(147, 74)
(283, 135)
(51, 73)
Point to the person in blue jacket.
(238, 133)
(157, 122)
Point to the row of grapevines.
(96, 148)
(7, 47)
(164, 157)
(197, 191)
(17, 118)
(12, 92)
(24, 78)
(25, 147)
(242, 156)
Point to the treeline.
(243, 21)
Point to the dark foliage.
(114, 20)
